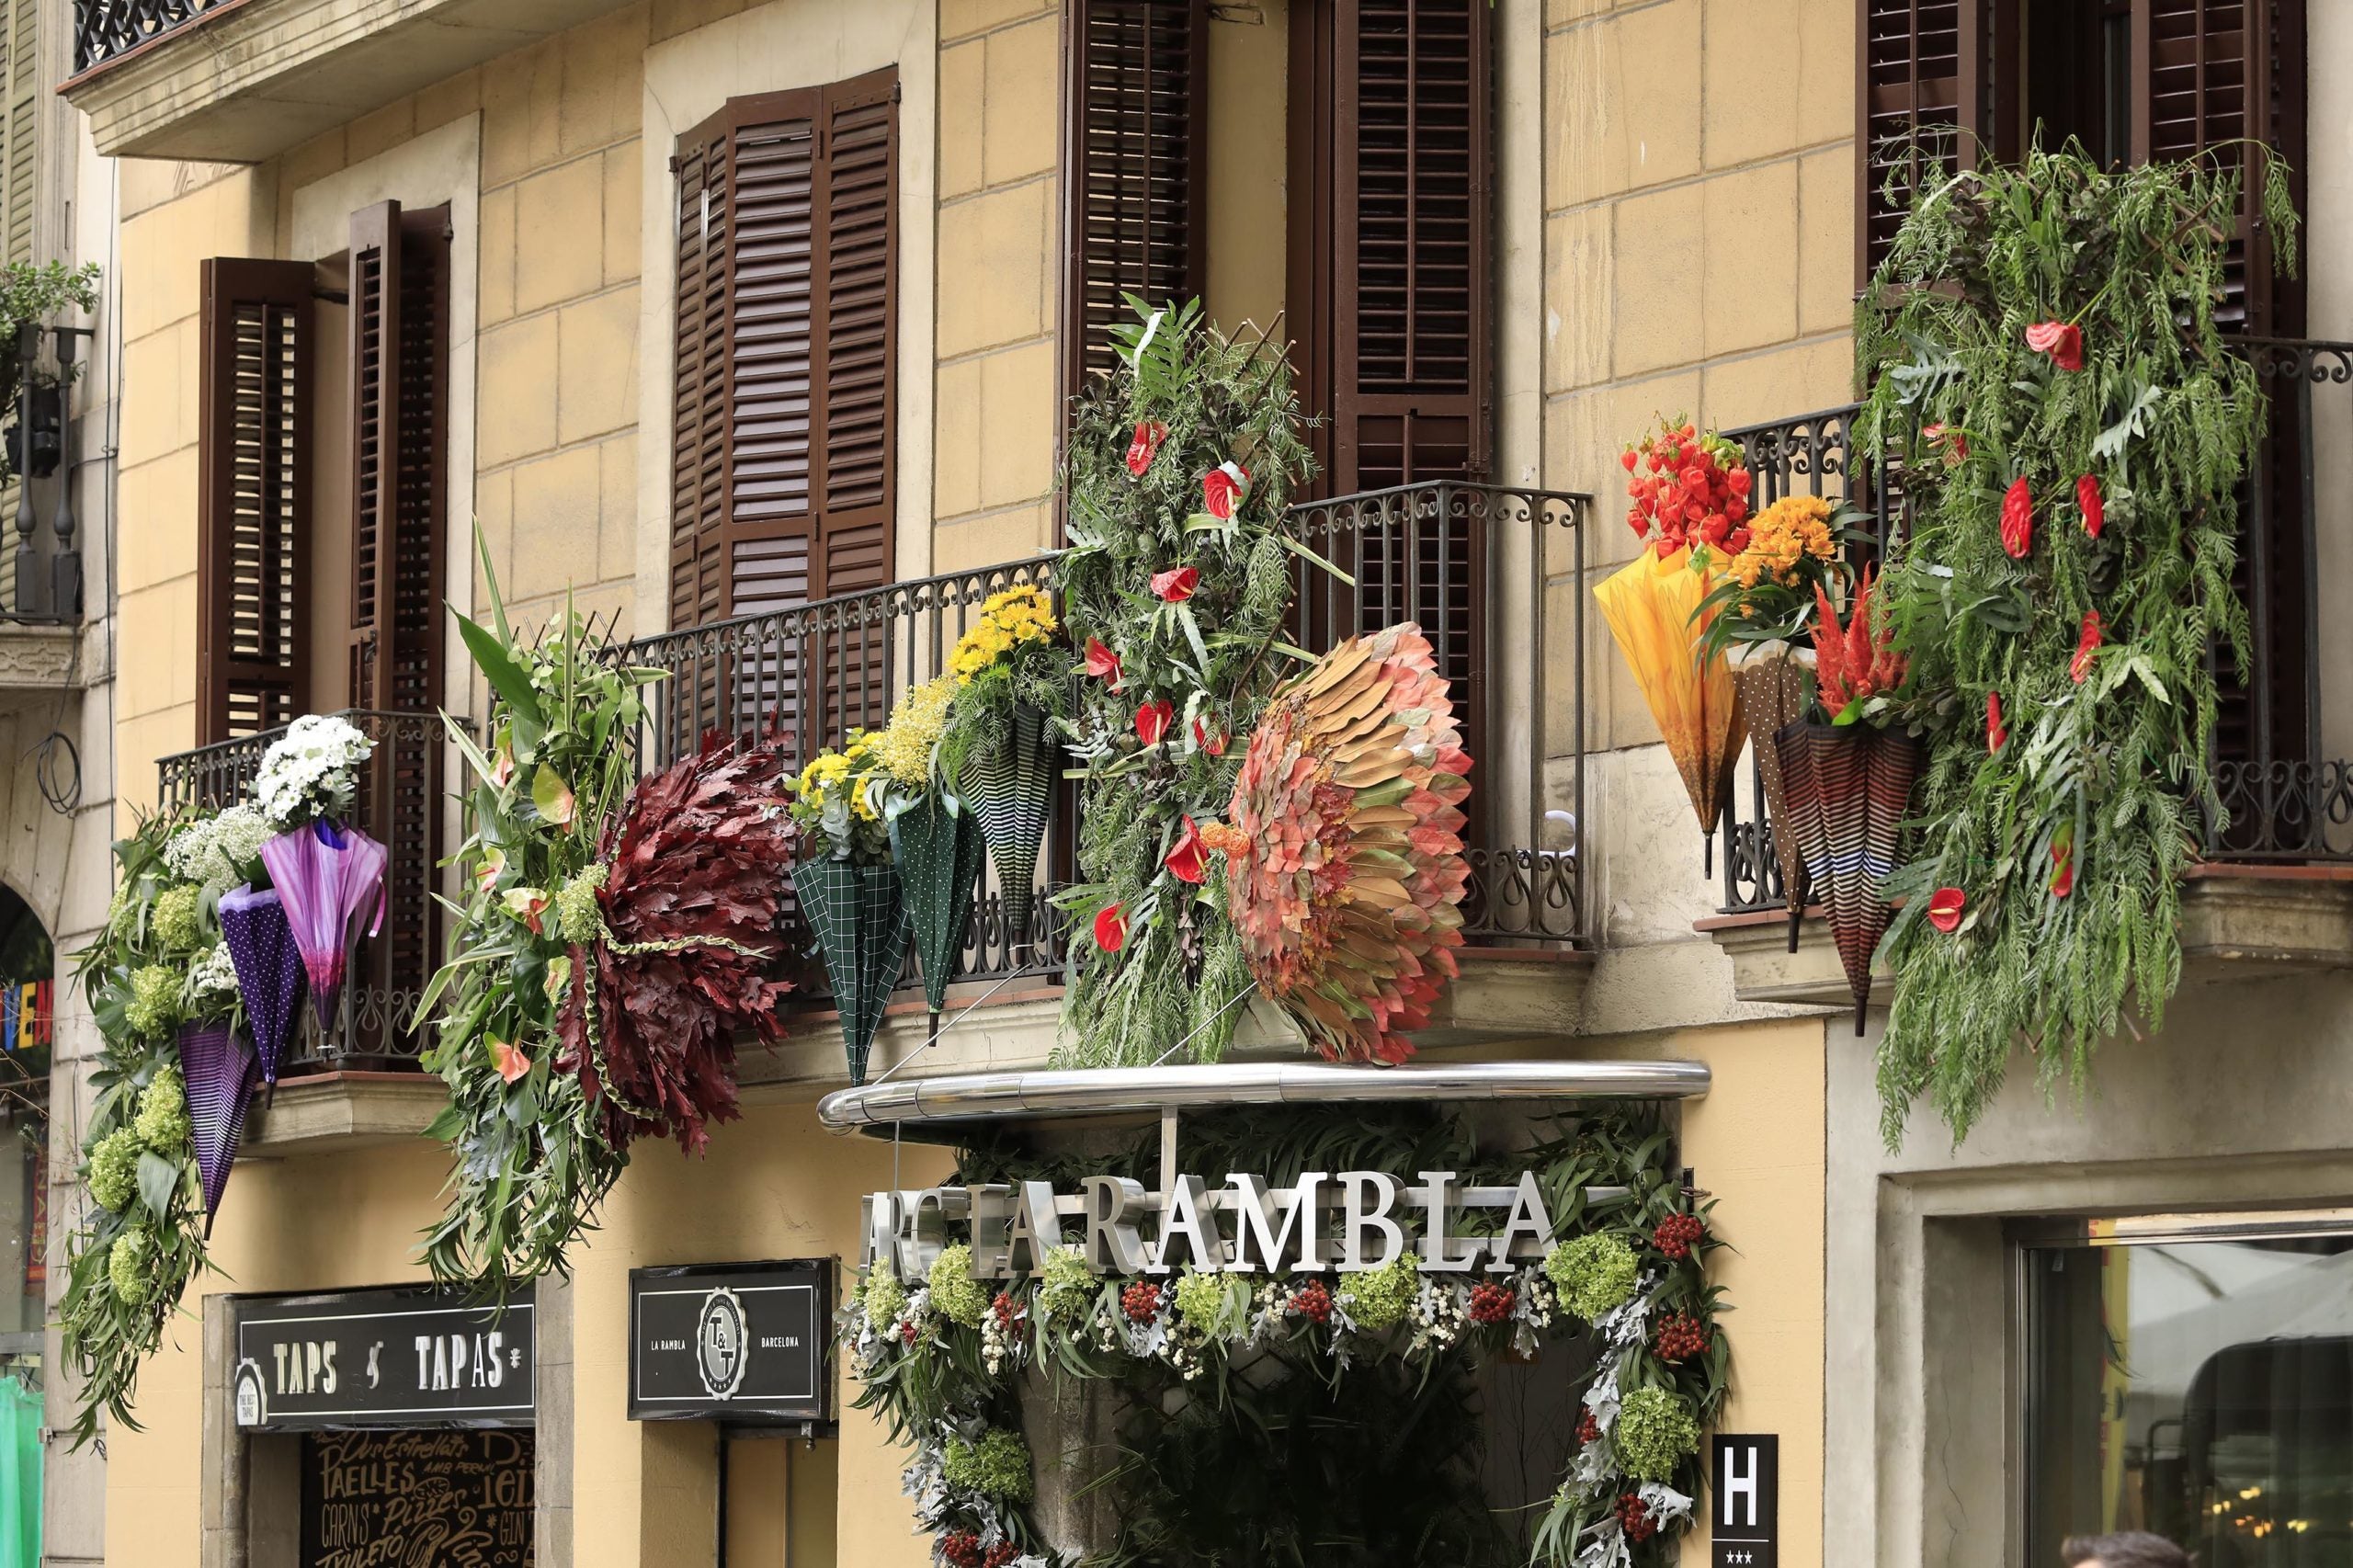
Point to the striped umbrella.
(1848, 787)
(218, 1065)
(1010, 790)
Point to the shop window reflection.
(2203, 1390)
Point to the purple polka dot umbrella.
(269, 969)
(328, 877)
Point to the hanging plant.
(2045, 367)
(1320, 1419)
(156, 970)
(615, 938)
(1175, 586)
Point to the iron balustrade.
(2283, 797)
(107, 29)
(400, 804)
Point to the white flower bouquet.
(311, 772)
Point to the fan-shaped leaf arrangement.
(1344, 846)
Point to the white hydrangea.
(216, 851)
(212, 980)
(310, 772)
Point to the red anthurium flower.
(2062, 341)
(1184, 861)
(1153, 721)
(2079, 668)
(2017, 520)
(1997, 735)
(1209, 738)
(1954, 445)
(1944, 909)
(1176, 585)
(1111, 928)
(1223, 489)
(1150, 433)
(2087, 498)
(508, 1059)
(1101, 663)
(2063, 862)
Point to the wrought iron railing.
(399, 803)
(106, 30)
(1434, 554)
(2283, 797)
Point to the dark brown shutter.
(253, 495)
(784, 468)
(1138, 166)
(1925, 76)
(400, 272)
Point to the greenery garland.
(2045, 367)
(1317, 1419)
(1175, 587)
(157, 965)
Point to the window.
(2197, 1381)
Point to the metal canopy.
(988, 1097)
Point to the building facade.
(695, 315)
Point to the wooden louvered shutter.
(699, 434)
(1924, 89)
(1139, 164)
(253, 495)
(857, 265)
(400, 273)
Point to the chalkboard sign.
(396, 1359)
(739, 1342)
(419, 1499)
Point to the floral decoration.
(311, 772)
(1688, 487)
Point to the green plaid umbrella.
(862, 925)
(1010, 790)
(938, 852)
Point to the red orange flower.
(2063, 861)
(1944, 909)
(2017, 520)
(1176, 585)
(1954, 443)
(2088, 642)
(1101, 663)
(1150, 433)
(2064, 341)
(1184, 860)
(508, 1059)
(2087, 498)
(1224, 488)
(1209, 738)
(1997, 735)
(1111, 927)
(1153, 721)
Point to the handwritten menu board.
(416, 1499)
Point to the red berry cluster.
(1491, 1303)
(1634, 1518)
(1678, 1234)
(1007, 1314)
(1313, 1301)
(1689, 485)
(1589, 1429)
(963, 1549)
(1680, 1337)
(907, 1333)
(1141, 1302)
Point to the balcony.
(400, 804)
(242, 80)
(2276, 885)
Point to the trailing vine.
(1318, 1420)
(2044, 364)
(1175, 587)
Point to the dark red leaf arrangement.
(694, 870)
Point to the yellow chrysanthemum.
(903, 750)
(1784, 535)
(1008, 621)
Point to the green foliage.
(36, 294)
(1378, 1297)
(532, 1161)
(1595, 1273)
(176, 922)
(129, 1262)
(2113, 769)
(998, 1466)
(1656, 1433)
(1214, 657)
(884, 1296)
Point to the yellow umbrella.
(1650, 604)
